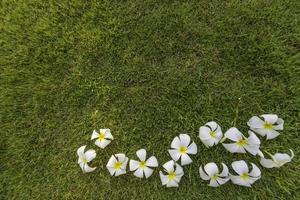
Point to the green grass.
(148, 71)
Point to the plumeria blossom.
(85, 158)
(277, 160)
(266, 127)
(181, 147)
(241, 143)
(117, 164)
(174, 173)
(142, 167)
(103, 138)
(244, 178)
(211, 172)
(210, 134)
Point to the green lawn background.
(148, 70)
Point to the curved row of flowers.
(182, 147)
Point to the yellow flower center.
(117, 165)
(214, 177)
(244, 176)
(101, 136)
(84, 160)
(241, 142)
(212, 134)
(142, 164)
(182, 150)
(171, 176)
(268, 126)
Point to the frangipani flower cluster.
(182, 147)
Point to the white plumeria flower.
(175, 172)
(84, 158)
(244, 178)
(117, 164)
(104, 137)
(267, 127)
(211, 172)
(242, 143)
(142, 167)
(210, 134)
(181, 148)
(277, 160)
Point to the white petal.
(111, 161)
(208, 142)
(224, 171)
(139, 173)
(172, 183)
(141, 154)
(279, 124)
(174, 153)
(169, 166)
(237, 180)
(164, 179)
(253, 149)
(218, 137)
(192, 149)
(107, 133)
(203, 175)
(253, 179)
(222, 181)
(185, 159)
(120, 172)
(211, 169)
(120, 156)
(252, 139)
(103, 143)
(148, 172)
(234, 148)
(204, 133)
(178, 170)
(176, 143)
(80, 150)
(255, 122)
(270, 118)
(240, 167)
(152, 162)
(185, 139)
(124, 163)
(282, 158)
(94, 135)
(81, 164)
(90, 155)
(267, 163)
(111, 170)
(261, 131)
(255, 172)
(88, 169)
(271, 134)
(133, 165)
(233, 134)
(213, 125)
(213, 183)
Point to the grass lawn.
(148, 70)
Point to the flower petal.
(270, 118)
(80, 151)
(213, 125)
(255, 172)
(233, 134)
(213, 183)
(111, 170)
(176, 143)
(267, 163)
(211, 169)
(120, 156)
(174, 153)
(253, 149)
(204, 133)
(240, 167)
(90, 155)
(252, 139)
(279, 124)
(88, 169)
(255, 122)
(107, 133)
(139, 173)
(94, 135)
(164, 178)
(124, 163)
(148, 172)
(222, 181)
(172, 183)
(141, 154)
(112, 160)
(224, 171)
(152, 162)
(133, 165)
(234, 148)
(169, 166)
(102, 143)
(192, 149)
(179, 170)
(239, 181)
(185, 139)
(218, 137)
(185, 159)
(203, 175)
(261, 131)
(208, 142)
(271, 134)
(120, 172)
